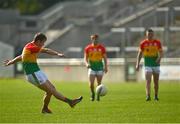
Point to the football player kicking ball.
(151, 49)
(35, 76)
(94, 55)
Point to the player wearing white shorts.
(151, 49)
(35, 76)
(149, 69)
(94, 56)
(95, 73)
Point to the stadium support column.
(122, 45)
(167, 17)
(123, 48)
(126, 42)
(172, 15)
(166, 37)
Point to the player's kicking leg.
(50, 89)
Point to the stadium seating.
(70, 24)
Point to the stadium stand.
(120, 24)
(66, 28)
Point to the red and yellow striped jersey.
(150, 50)
(29, 58)
(95, 55)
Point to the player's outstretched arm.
(52, 52)
(10, 62)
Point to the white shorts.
(152, 69)
(37, 78)
(92, 72)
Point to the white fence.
(120, 70)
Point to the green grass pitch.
(21, 102)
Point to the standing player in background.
(35, 76)
(151, 49)
(94, 55)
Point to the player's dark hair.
(94, 36)
(149, 30)
(40, 36)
